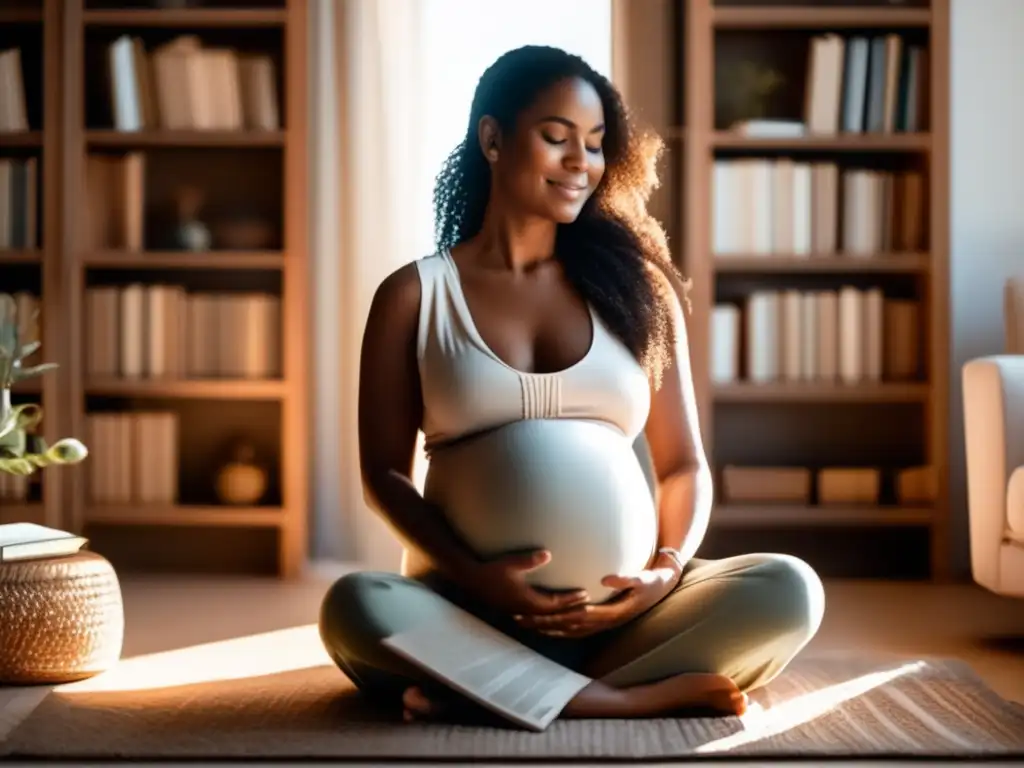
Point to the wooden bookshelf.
(806, 144)
(252, 180)
(22, 13)
(22, 138)
(178, 260)
(230, 18)
(764, 16)
(179, 138)
(801, 392)
(12, 256)
(826, 515)
(30, 261)
(684, 67)
(827, 264)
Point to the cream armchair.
(993, 390)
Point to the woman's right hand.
(501, 583)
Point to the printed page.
(489, 667)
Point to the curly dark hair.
(615, 253)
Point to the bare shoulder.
(398, 295)
(394, 312)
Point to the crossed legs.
(743, 617)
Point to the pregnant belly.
(574, 488)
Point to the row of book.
(167, 332)
(847, 335)
(13, 115)
(114, 201)
(781, 206)
(184, 85)
(19, 203)
(133, 457)
(866, 84)
(825, 485)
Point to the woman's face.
(553, 161)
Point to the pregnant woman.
(542, 351)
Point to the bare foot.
(699, 691)
(432, 704)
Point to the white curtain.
(393, 82)
(382, 172)
(369, 189)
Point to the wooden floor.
(909, 619)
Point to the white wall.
(987, 181)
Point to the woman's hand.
(639, 594)
(501, 584)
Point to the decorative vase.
(192, 234)
(241, 481)
(63, 619)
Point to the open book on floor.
(488, 667)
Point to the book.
(29, 541)
(487, 666)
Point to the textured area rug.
(836, 706)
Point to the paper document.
(489, 667)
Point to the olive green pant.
(745, 617)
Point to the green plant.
(22, 451)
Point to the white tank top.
(467, 388)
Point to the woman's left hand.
(639, 594)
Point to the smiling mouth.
(570, 187)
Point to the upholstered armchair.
(993, 389)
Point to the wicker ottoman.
(62, 619)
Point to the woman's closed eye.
(555, 141)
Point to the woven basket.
(62, 619)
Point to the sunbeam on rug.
(276, 696)
(760, 722)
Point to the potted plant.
(22, 451)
